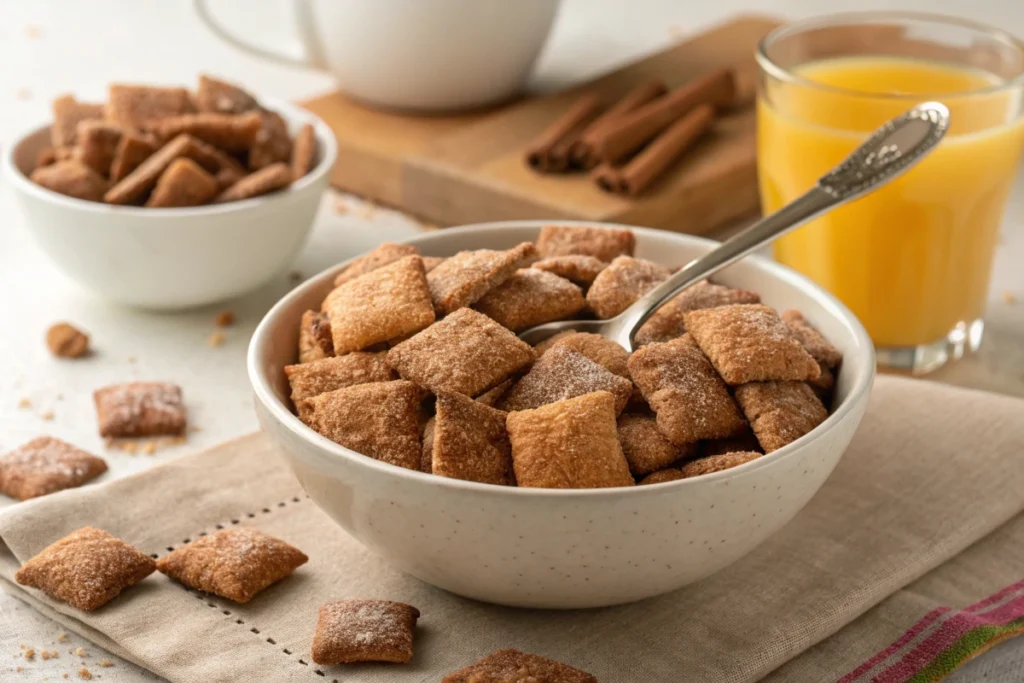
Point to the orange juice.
(911, 260)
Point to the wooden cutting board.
(469, 167)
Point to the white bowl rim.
(265, 395)
(325, 139)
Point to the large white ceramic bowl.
(565, 548)
(172, 258)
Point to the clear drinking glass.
(913, 259)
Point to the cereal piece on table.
(530, 297)
(491, 397)
(303, 151)
(750, 343)
(746, 441)
(470, 441)
(577, 268)
(662, 476)
(86, 569)
(563, 373)
(67, 114)
(427, 454)
(385, 254)
(272, 145)
(385, 303)
(690, 400)
(131, 151)
(780, 412)
(218, 96)
(327, 374)
(184, 183)
(137, 183)
(229, 132)
(234, 563)
(513, 666)
(820, 348)
(140, 409)
(431, 262)
(542, 346)
(315, 340)
(71, 178)
(574, 240)
(624, 281)
(645, 447)
(381, 420)
(569, 444)
(67, 341)
(97, 144)
(466, 353)
(264, 181)
(44, 465)
(350, 631)
(139, 106)
(464, 278)
(717, 463)
(667, 322)
(601, 350)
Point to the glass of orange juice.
(911, 260)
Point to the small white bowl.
(557, 548)
(173, 258)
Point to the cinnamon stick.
(549, 152)
(716, 89)
(584, 154)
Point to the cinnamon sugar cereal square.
(541, 347)
(645, 447)
(466, 353)
(625, 280)
(662, 476)
(235, 563)
(574, 240)
(303, 151)
(530, 297)
(385, 254)
(327, 374)
(138, 182)
(229, 132)
(717, 463)
(97, 144)
(44, 465)
(131, 151)
(462, 279)
(814, 341)
(211, 158)
(427, 454)
(67, 114)
(824, 387)
(577, 268)
(218, 96)
(750, 343)
(690, 400)
(381, 420)
(513, 666)
(140, 106)
(568, 444)
(667, 322)
(272, 145)
(385, 303)
(264, 181)
(470, 441)
(350, 631)
(601, 350)
(780, 412)
(140, 409)
(86, 569)
(184, 183)
(563, 373)
(226, 177)
(744, 441)
(491, 397)
(315, 339)
(71, 178)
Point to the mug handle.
(308, 60)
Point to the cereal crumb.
(47, 415)
(224, 319)
(216, 339)
(67, 341)
(32, 32)
(84, 674)
(62, 638)
(30, 653)
(149, 448)
(1009, 297)
(49, 654)
(24, 402)
(80, 651)
(20, 668)
(63, 675)
(106, 663)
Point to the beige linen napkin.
(931, 471)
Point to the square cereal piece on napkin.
(667, 323)
(466, 353)
(71, 178)
(575, 240)
(229, 132)
(690, 400)
(780, 412)
(717, 463)
(233, 563)
(645, 447)
(464, 278)
(381, 420)
(750, 343)
(814, 341)
(601, 350)
(385, 254)
(563, 373)
(388, 302)
(349, 631)
(44, 465)
(264, 181)
(513, 666)
(327, 374)
(315, 339)
(571, 444)
(86, 569)
(219, 96)
(577, 268)
(184, 183)
(68, 112)
(140, 409)
(469, 441)
(625, 280)
(530, 297)
(139, 106)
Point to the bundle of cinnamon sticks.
(630, 144)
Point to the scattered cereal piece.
(47, 415)
(234, 563)
(625, 280)
(24, 403)
(662, 476)
(273, 144)
(67, 341)
(328, 374)
(80, 651)
(717, 463)
(97, 144)
(386, 254)
(49, 654)
(229, 132)
(464, 278)
(44, 465)
(267, 179)
(67, 113)
(689, 398)
(569, 444)
(531, 297)
(303, 151)
(570, 240)
(645, 447)
(131, 151)
(71, 178)
(224, 319)
(512, 666)
(140, 106)
(140, 409)
(576, 268)
(218, 96)
(601, 350)
(563, 373)
(84, 674)
(86, 569)
(780, 412)
(216, 338)
(381, 420)
(813, 341)
(750, 343)
(183, 183)
(470, 441)
(364, 631)
(105, 663)
(30, 654)
(62, 637)
(667, 322)
(466, 353)
(315, 339)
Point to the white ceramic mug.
(416, 54)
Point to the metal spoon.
(891, 150)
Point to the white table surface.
(51, 47)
